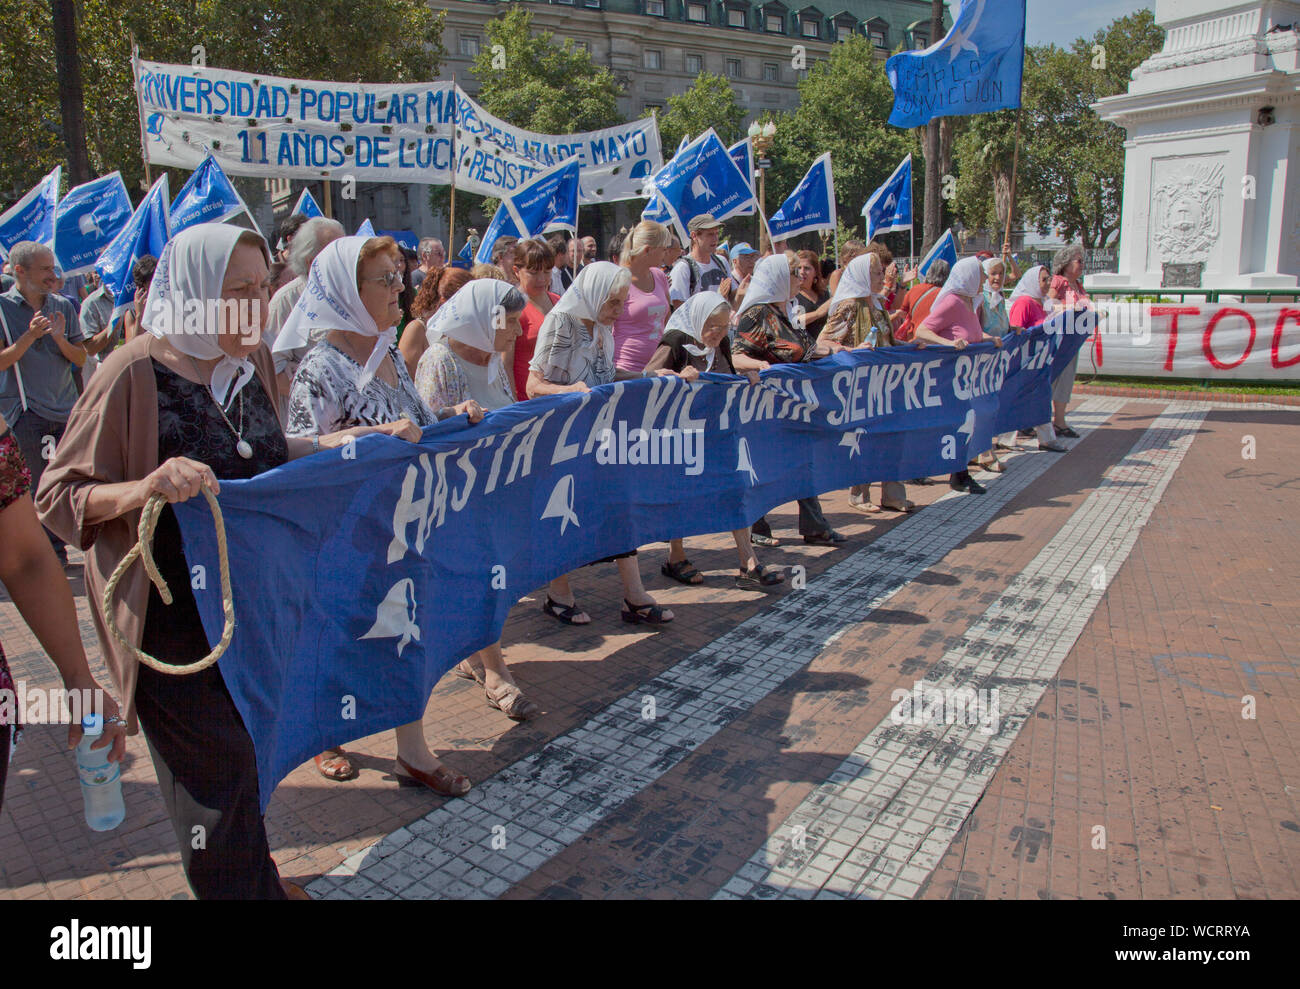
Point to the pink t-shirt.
(638, 330)
(1026, 311)
(953, 320)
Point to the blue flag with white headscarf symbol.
(367, 229)
(145, 233)
(701, 178)
(208, 197)
(944, 248)
(742, 153)
(86, 221)
(547, 202)
(306, 205)
(32, 217)
(976, 68)
(810, 207)
(466, 252)
(890, 206)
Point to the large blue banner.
(361, 575)
(975, 68)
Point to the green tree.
(843, 105)
(710, 102)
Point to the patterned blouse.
(15, 481)
(994, 317)
(442, 379)
(764, 333)
(325, 398)
(860, 323)
(566, 353)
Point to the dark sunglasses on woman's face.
(389, 278)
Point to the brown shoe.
(335, 765)
(443, 781)
(511, 702)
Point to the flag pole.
(911, 198)
(451, 223)
(1011, 203)
(573, 256)
(135, 84)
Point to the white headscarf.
(690, 318)
(966, 278)
(468, 317)
(770, 284)
(585, 297)
(995, 297)
(193, 267)
(1029, 285)
(855, 283)
(332, 301)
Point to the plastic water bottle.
(101, 780)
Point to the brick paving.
(1139, 731)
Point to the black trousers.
(811, 519)
(208, 776)
(33, 433)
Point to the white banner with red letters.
(1245, 341)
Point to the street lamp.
(761, 137)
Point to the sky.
(1061, 21)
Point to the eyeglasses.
(389, 278)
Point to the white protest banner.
(276, 127)
(1246, 341)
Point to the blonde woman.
(640, 326)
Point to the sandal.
(651, 614)
(1067, 432)
(865, 507)
(757, 539)
(512, 703)
(682, 572)
(907, 507)
(759, 577)
(443, 781)
(468, 671)
(828, 538)
(563, 613)
(335, 765)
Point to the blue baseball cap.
(741, 248)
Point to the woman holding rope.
(201, 407)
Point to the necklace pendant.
(244, 449)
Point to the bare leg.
(676, 551)
(1058, 414)
(633, 590)
(413, 750)
(495, 673)
(562, 594)
(744, 549)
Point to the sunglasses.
(389, 278)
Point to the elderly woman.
(859, 319)
(434, 291)
(201, 408)
(917, 300)
(641, 323)
(354, 375)
(575, 353)
(464, 363)
(1066, 292)
(952, 321)
(34, 578)
(993, 317)
(1026, 310)
(850, 250)
(764, 333)
(695, 340)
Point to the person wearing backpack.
(918, 300)
(702, 268)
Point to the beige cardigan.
(111, 437)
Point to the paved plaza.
(1107, 616)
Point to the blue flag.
(810, 207)
(406, 238)
(701, 178)
(976, 68)
(145, 233)
(86, 221)
(890, 206)
(208, 197)
(548, 201)
(466, 253)
(945, 247)
(412, 555)
(306, 205)
(742, 153)
(367, 229)
(32, 217)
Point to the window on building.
(843, 30)
(694, 64)
(811, 29)
(654, 58)
(880, 37)
(771, 72)
(584, 45)
(735, 17)
(733, 68)
(652, 106)
(655, 8)
(592, 3)
(696, 12)
(921, 41)
(469, 45)
(774, 23)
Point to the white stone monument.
(1211, 166)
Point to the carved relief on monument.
(1186, 208)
